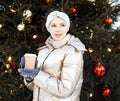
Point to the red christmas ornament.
(118, 48)
(108, 21)
(14, 66)
(74, 10)
(106, 92)
(99, 70)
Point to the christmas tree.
(95, 22)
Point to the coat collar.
(68, 40)
(57, 44)
(77, 43)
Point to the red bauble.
(74, 10)
(118, 48)
(108, 21)
(106, 92)
(99, 70)
(15, 66)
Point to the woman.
(60, 63)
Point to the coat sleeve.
(29, 85)
(71, 72)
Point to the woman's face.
(58, 28)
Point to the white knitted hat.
(55, 14)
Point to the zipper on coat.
(42, 69)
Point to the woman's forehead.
(58, 20)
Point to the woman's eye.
(63, 25)
(53, 25)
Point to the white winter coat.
(61, 70)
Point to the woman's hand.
(28, 74)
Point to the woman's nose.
(58, 28)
